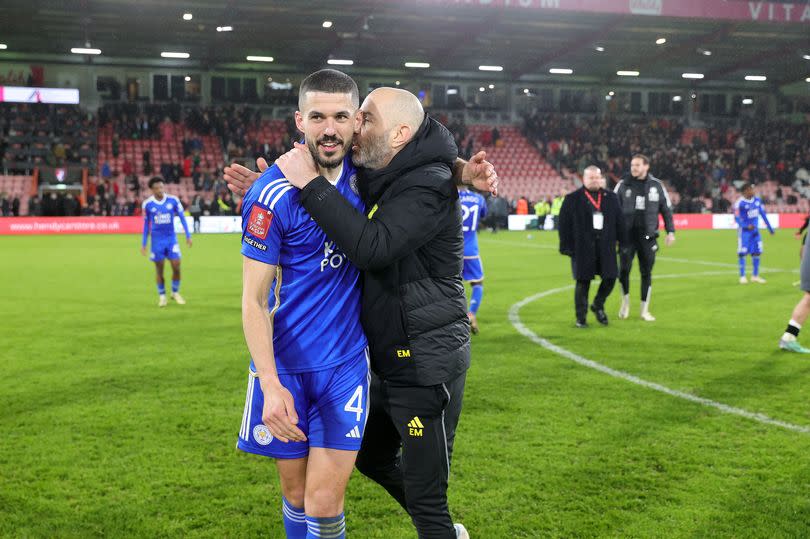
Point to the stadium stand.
(521, 168)
(128, 143)
(700, 165)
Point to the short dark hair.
(153, 180)
(330, 81)
(746, 186)
(642, 157)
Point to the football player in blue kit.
(308, 384)
(159, 211)
(747, 212)
(474, 209)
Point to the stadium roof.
(380, 36)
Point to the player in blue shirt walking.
(159, 211)
(474, 208)
(747, 212)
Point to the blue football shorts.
(749, 242)
(473, 269)
(162, 249)
(332, 407)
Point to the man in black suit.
(591, 224)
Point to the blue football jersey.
(315, 297)
(748, 211)
(473, 208)
(158, 216)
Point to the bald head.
(391, 118)
(397, 107)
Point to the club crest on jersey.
(654, 195)
(262, 435)
(259, 222)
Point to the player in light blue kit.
(308, 384)
(747, 212)
(159, 211)
(474, 208)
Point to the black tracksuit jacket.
(410, 249)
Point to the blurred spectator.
(5, 205)
(196, 210)
(70, 206)
(147, 163)
(210, 207)
(15, 205)
(497, 212)
(34, 206)
(226, 204)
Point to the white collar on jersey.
(337, 179)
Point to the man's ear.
(402, 136)
(358, 120)
(299, 121)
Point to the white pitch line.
(659, 257)
(514, 318)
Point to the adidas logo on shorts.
(354, 433)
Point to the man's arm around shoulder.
(401, 225)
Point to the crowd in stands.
(39, 135)
(237, 127)
(700, 168)
(700, 165)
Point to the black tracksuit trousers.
(407, 447)
(645, 246)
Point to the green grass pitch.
(118, 419)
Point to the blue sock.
(742, 266)
(162, 289)
(476, 297)
(175, 286)
(755, 261)
(295, 521)
(326, 527)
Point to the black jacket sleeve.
(400, 226)
(666, 209)
(567, 226)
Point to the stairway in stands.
(521, 169)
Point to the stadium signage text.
(222, 224)
(734, 10)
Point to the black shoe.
(600, 315)
(582, 324)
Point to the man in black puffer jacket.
(410, 248)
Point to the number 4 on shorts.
(355, 404)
